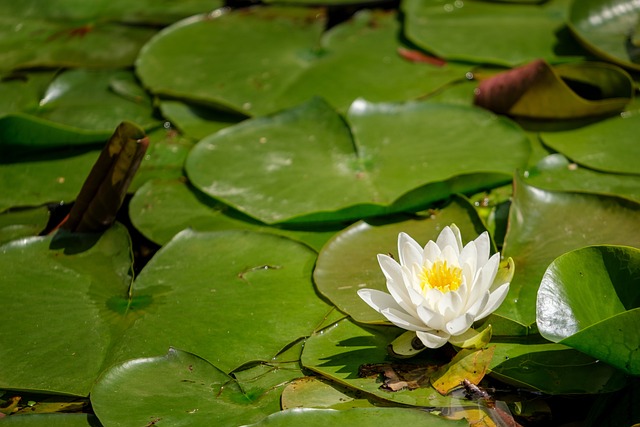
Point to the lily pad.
(315, 392)
(609, 145)
(52, 420)
(261, 60)
(77, 107)
(556, 172)
(589, 299)
(39, 42)
(196, 121)
(349, 260)
(475, 30)
(608, 28)
(536, 237)
(177, 388)
(303, 165)
(238, 288)
(59, 286)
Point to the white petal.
(469, 257)
(402, 320)
(460, 324)
(409, 250)
(448, 238)
(446, 306)
(432, 319)
(433, 339)
(431, 253)
(495, 299)
(483, 247)
(478, 305)
(378, 300)
(450, 255)
(456, 233)
(485, 277)
(432, 298)
(395, 282)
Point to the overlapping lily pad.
(536, 237)
(589, 299)
(303, 165)
(263, 277)
(261, 60)
(608, 28)
(476, 31)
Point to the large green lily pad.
(589, 299)
(608, 28)
(475, 31)
(260, 60)
(303, 165)
(178, 388)
(545, 224)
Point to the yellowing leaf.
(467, 364)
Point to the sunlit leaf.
(315, 392)
(589, 299)
(468, 365)
(394, 157)
(22, 223)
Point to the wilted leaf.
(470, 365)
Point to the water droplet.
(448, 7)
(469, 75)
(166, 125)
(263, 140)
(246, 106)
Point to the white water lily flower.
(440, 290)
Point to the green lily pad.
(77, 107)
(553, 369)
(475, 31)
(268, 59)
(396, 160)
(55, 293)
(365, 417)
(22, 223)
(39, 42)
(177, 388)
(589, 299)
(537, 235)
(608, 28)
(349, 260)
(238, 288)
(556, 172)
(609, 145)
(161, 209)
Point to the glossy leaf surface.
(589, 299)
(261, 168)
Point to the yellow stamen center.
(441, 276)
